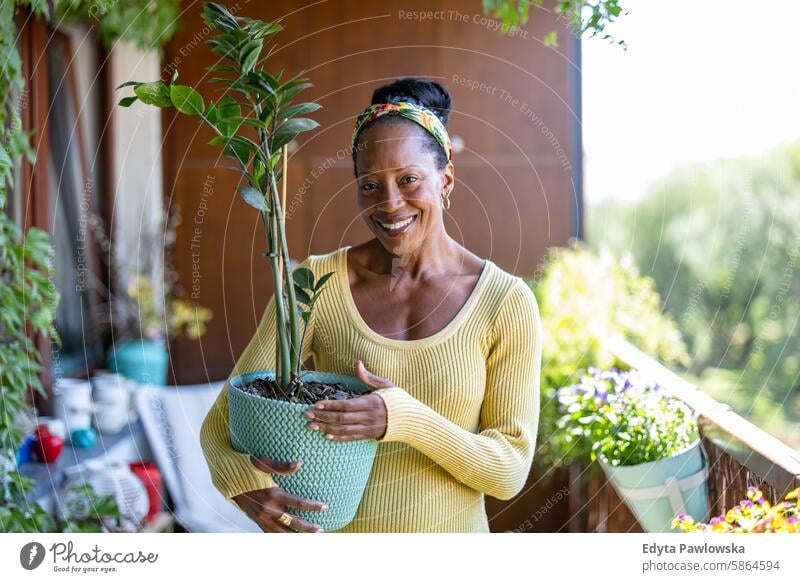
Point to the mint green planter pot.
(144, 361)
(335, 473)
(658, 491)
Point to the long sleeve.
(232, 473)
(497, 460)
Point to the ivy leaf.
(186, 100)
(287, 130)
(127, 101)
(156, 93)
(254, 198)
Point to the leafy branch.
(587, 17)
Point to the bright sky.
(701, 80)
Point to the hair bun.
(418, 91)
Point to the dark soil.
(299, 392)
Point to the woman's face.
(399, 187)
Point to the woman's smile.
(396, 227)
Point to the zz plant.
(253, 121)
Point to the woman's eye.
(408, 179)
(367, 186)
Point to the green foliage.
(722, 244)
(584, 298)
(624, 418)
(253, 121)
(587, 17)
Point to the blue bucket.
(335, 473)
(658, 491)
(144, 361)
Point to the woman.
(450, 342)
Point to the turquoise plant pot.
(144, 361)
(334, 473)
(658, 491)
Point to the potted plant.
(645, 440)
(752, 515)
(151, 308)
(253, 122)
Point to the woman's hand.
(266, 506)
(358, 418)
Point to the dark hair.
(421, 92)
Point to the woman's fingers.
(298, 524)
(369, 378)
(343, 429)
(268, 465)
(335, 417)
(285, 498)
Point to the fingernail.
(329, 437)
(313, 426)
(319, 406)
(319, 530)
(324, 508)
(308, 414)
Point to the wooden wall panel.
(514, 195)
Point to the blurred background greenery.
(721, 242)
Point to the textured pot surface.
(335, 473)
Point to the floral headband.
(421, 115)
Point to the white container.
(112, 478)
(73, 403)
(56, 426)
(112, 402)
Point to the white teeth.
(396, 225)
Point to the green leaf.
(127, 101)
(304, 277)
(156, 93)
(550, 39)
(248, 55)
(218, 17)
(299, 109)
(254, 198)
(322, 281)
(186, 100)
(287, 130)
(235, 147)
(301, 295)
(127, 84)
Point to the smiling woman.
(450, 342)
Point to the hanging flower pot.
(658, 491)
(333, 472)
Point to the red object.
(46, 445)
(150, 476)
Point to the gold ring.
(285, 519)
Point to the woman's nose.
(392, 198)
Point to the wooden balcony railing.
(740, 454)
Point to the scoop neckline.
(446, 331)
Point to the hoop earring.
(446, 201)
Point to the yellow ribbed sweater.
(462, 418)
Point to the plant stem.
(284, 250)
(283, 363)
